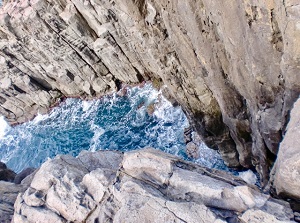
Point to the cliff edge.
(232, 65)
(141, 186)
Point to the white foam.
(98, 131)
(38, 118)
(86, 105)
(4, 127)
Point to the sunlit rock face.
(286, 171)
(141, 186)
(232, 65)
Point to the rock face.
(141, 186)
(8, 194)
(9, 191)
(232, 65)
(286, 179)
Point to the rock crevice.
(231, 65)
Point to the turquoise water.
(113, 122)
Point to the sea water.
(113, 122)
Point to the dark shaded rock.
(2, 166)
(8, 194)
(23, 174)
(188, 134)
(6, 174)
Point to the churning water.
(113, 122)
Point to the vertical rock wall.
(232, 65)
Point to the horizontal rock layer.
(232, 65)
(141, 186)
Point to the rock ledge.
(141, 186)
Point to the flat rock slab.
(141, 186)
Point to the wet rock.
(151, 109)
(141, 186)
(192, 150)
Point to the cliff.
(232, 65)
(141, 186)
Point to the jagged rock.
(6, 174)
(286, 179)
(232, 65)
(141, 186)
(8, 194)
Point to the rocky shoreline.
(232, 65)
(139, 186)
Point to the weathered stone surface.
(287, 167)
(232, 65)
(141, 186)
(8, 194)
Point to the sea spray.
(113, 122)
(4, 127)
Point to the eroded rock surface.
(141, 186)
(8, 194)
(286, 179)
(232, 65)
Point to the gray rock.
(141, 186)
(236, 78)
(23, 174)
(8, 194)
(6, 174)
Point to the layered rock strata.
(9, 191)
(232, 65)
(141, 186)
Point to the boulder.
(141, 186)
(286, 178)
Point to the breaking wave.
(141, 118)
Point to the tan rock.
(287, 167)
